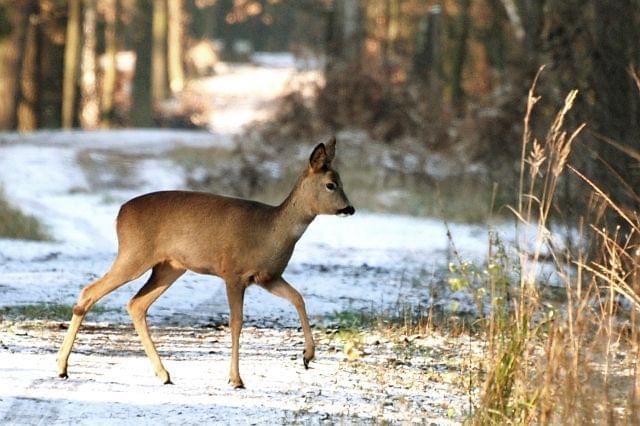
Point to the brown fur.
(244, 242)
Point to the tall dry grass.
(573, 362)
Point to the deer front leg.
(235, 296)
(283, 289)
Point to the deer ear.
(331, 149)
(318, 159)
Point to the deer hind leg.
(163, 275)
(235, 296)
(121, 272)
(281, 288)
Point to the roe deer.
(244, 242)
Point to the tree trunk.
(393, 28)
(516, 23)
(110, 70)
(175, 40)
(494, 38)
(159, 52)
(532, 11)
(27, 94)
(89, 112)
(71, 64)
(12, 58)
(426, 62)
(616, 107)
(352, 30)
(459, 56)
(333, 41)
(142, 109)
(8, 84)
(209, 20)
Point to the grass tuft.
(17, 225)
(44, 311)
(571, 362)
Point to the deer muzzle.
(347, 211)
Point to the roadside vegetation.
(15, 224)
(567, 356)
(43, 312)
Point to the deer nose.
(349, 210)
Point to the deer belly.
(263, 273)
(199, 262)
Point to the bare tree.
(175, 39)
(109, 80)
(89, 112)
(12, 52)
(159, 52)
(27, 116)
(142, 110)
(460, 55)
(71, 63)
(427, 60)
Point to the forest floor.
(74, 182)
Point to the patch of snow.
(303, 61)
(142, 141)
(160, 175)
(274, 59)
(244, 95)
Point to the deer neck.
(293, 215)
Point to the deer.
(243, 242)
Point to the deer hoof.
(164, 378)
(306, 359)
(236, 384)
(62, 369)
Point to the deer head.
(320, 187)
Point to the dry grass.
(570, 359)
(572, 363)
(15, 224)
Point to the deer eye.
(331, 186)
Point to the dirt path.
(111, 381)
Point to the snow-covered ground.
(361, 262)
(367, 260)
(242, 93)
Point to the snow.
(286, 60)
(133, 140)
(361, 262)
(110, 384)
(244, 93)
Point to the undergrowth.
(15, 224)
(562, 357)
(557, 363)
(43, 312)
